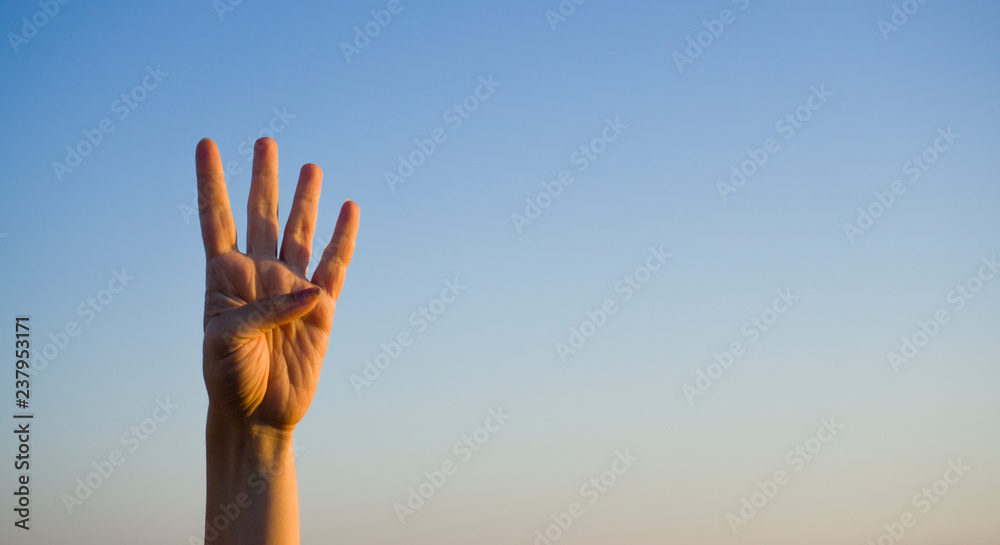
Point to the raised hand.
(266, 324)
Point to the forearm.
(252, 495)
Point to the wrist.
(251, 482)
(224, 427)
(245, 447)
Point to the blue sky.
(280, 67)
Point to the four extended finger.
(218, 231)
(296, 246)
(332, 267)
(262, 206)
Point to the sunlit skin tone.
(266, 331)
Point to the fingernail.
(306, 295)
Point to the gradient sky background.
(124, 207)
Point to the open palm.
(266, 325)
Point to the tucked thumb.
(254, 319)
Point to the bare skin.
(266, 332)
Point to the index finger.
(218, 231)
